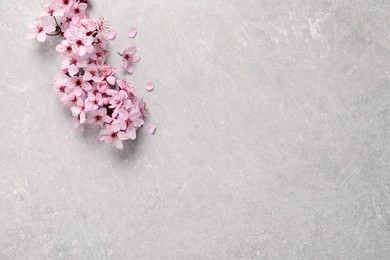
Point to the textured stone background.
(272, 143)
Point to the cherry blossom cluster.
(89, 87)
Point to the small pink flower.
(107, 73)
(102, 87)
(89, 24)
(74, 100)
(126, 86)
(65, 48)
(93, 101)
(116, 98)
(81, 43)
(79, 9)
(39, 29)
(98, 117)
(72, 64)
(92, 73)
(130, 121)
(130, 57)
(112, 135)
(61, 89)
(53, 10)
(78, 84)
(118, 125)
(64, 4)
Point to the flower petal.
(82, 51)
(82, 6)
(151, 128)
(131, 133)
(136, 58)
(122, 136)
(131, 50)
(73, 70)
(118, 144)
(75, 111)
(31, 35)
(149, 86)
(87, 76)
(77, 91)
(132, 32)
(111, 80)
(82, 117)
(111, 34)
(49, 28)
(115, 126)
(41, 37)
(125, 63)
(130, 69)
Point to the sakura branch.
(88, 86)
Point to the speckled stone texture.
(272, 143)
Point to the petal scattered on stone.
(111, 34)
(149, 86)
(132, 32)
(151, 128)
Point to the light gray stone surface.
(272, 143)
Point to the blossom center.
(78, 82)
(79, 42)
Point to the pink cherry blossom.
(89, 87)
(64, 4)
(98, 117)
(39, 29)
(78, 85)
(116, 98)
(52, 9)
(72, 63)
(133, 122)
(114, 136)
(102, 87)
(94, 101)
(65, 47)
(107, 73)
(79, 9)
(126, 86)
(80, 42)
(62, 91)
(92, 73)
(129, 58)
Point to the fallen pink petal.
(149, 86)
(132, 32)
(152, 128)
